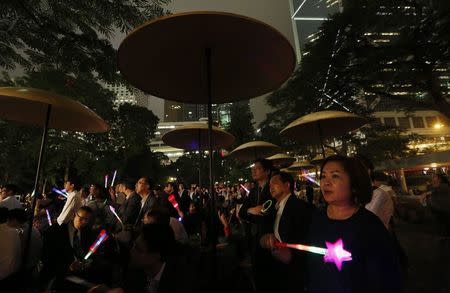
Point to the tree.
(69, 34)
(89, 156)
(241, 125)
(64, 47)
(373, 50)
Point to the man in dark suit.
(185, 199)
(259, 221)
(129, 211)
(169, 189)
(290, 226)
(65, 247)
(152, 267)
(144, 187)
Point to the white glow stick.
(114, 178)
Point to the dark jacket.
(185, 201)
(260, 225)
(129, 211)
(175, 279)
(293, 228)
(58, 253)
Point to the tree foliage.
(371, 51)
(65, 47)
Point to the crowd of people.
(176, 239)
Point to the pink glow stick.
(246, 190)
(174, 203)
(106, 181)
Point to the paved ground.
(429, 256)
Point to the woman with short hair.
(346, 188)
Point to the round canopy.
(195, 137)
(281, 160)
(303, 165)
(254, 150)
(331, 123)
(166, 57)
(29, 106)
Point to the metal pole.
(35, 190)
(321, 138)
(211, 177)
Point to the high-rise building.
(181, 112)
(307, 17)
(123, 94)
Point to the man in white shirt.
(10, 251)
(17, 219)
(73, 203)
(9, 200)
(382, 203)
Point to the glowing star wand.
(100, 239)
(174, 203)
(334, 252)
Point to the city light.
(438, 125)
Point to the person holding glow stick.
(72, 204)
(290, 226)
(259, 223)
(346, 187)
(65, 247)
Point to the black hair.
(360, 183)
(128, 184)
(171, 184)
(11, 187)
(379, 176)
(86, 209)
(74, 181)
(160, 215)
(366, 162)
(148, 181)
(266, 164)
(285, 177)
(159, 238)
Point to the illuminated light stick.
(60, 192)
(246, 190)
(113, 210)
(114, 178)
(334, 252)
(106, 181)
(49, 219)
(310, 179)
(266, 206)
(100, 239)
(174, 203)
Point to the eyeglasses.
(84, 218)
